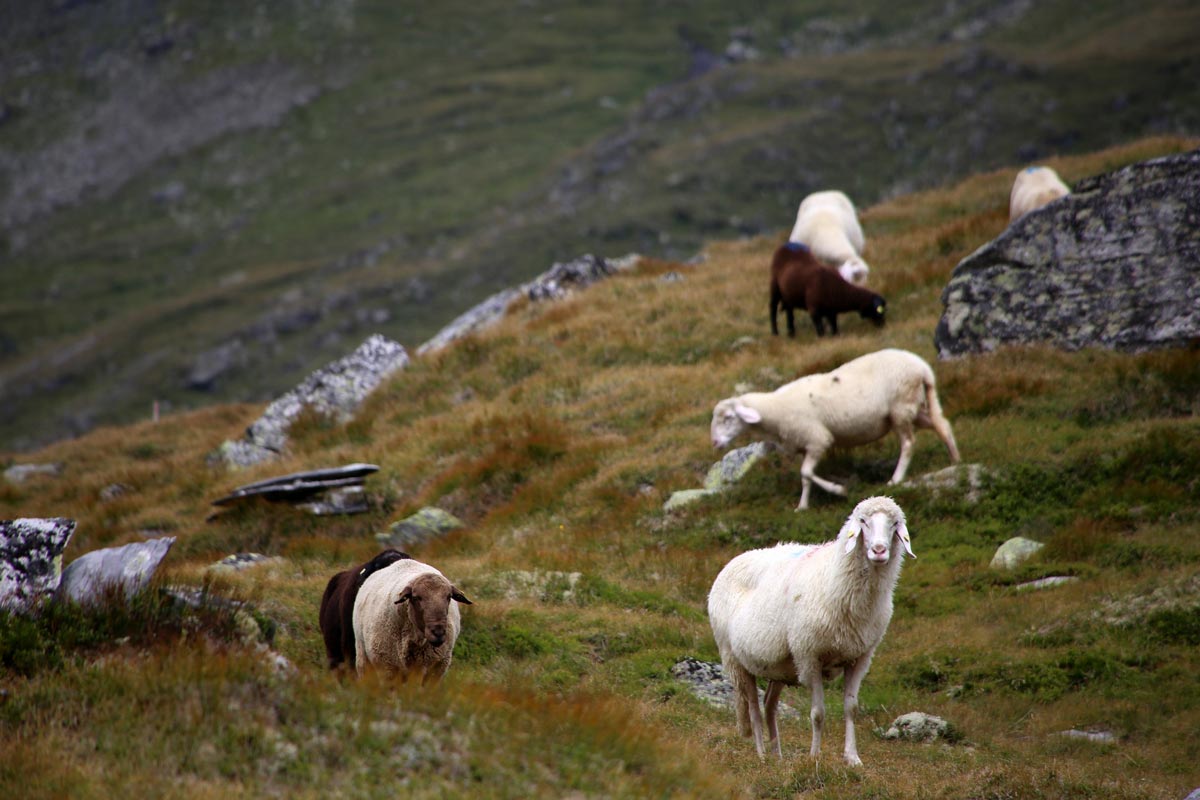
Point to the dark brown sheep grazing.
(799, 280)
(337, 606)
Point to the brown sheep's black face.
(876, 312)
(428, 599)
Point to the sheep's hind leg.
(817, 713)
(907, 437)
(745, 684)
(770, 704)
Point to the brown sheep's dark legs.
(775, 300)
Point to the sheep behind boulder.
(1033, 188)
(406, 621)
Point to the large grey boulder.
(31, 559)
(917, 726)
(130, 567)
(336, 390)
(1115, 264)
(722, 475)
(554, 284)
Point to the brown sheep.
(406, 621)
(337, 606)
(799, 280)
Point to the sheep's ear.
(902, 532)
(849, 534)
(458, 596)
(404, 596)
(746, 413)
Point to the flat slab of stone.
(298, 486)
(31, 559)
(19, 473)
(1100, 737)
(130, 567)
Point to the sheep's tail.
(937, 419)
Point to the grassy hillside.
(557, 437)
(201, 203)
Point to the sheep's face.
(875, 312)
(730, 418)
(878, 531)
(428, 601)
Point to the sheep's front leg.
(854, 679)
(808, 476)
(770, 704)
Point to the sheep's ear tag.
(904, 540)
(850, 533)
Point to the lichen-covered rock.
(129, 567)
(18, 473)
(966, 478)
(707, 681)
(1115, 264)
(31, 559)
(685, 497)
(917, 726)
(237, 562)
(734, 466)
(336, 390)
(1014, 552)
(426, 524)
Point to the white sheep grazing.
(799, 614)
(1033, 188)
(857, 403)
(406, 620)
(827, 223)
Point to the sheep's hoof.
(853, 760)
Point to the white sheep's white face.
(730, 418)
(878, 532)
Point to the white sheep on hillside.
(418, 637)
(857, 403)
(798, 614)
(1033, 188)
(828, 224)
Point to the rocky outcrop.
(707, 682)
(1116, 264)
(722, 475)
(336, 390)
(129, 568)
(31, 559)
(554, 284)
